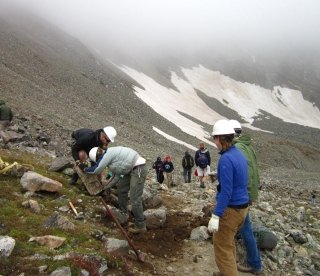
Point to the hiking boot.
(248, 269)
(202, 185)
(74, 179)
(216, 274)
(135, 230)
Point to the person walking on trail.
(158, 167)
(313, 197)
(187, 165)
(130, 172)
(203, 161)
(85, 139)
(168, 169)
(243, 142)
(231, 200)
(6, 115)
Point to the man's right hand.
(82, 166)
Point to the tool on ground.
(141, 257)
(73, 208)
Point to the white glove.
(213, 224)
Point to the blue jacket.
(233, 180)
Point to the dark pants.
(187, 175)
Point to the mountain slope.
(55, 80)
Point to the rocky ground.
(179, 247)
(55, 85)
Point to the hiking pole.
(141, 257)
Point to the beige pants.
(224, 240)
(168, 178)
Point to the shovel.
(141, 257)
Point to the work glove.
(82, 166)
(213, 224)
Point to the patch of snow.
(248, 100)
(171, 138)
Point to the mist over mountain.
(81, 81)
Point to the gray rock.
(199, 234)
(32, 181)
(62, 271)
(113, 245)
(58, 221)
(11, 136)
(6, 246)
(298, 236)
(119, 215)
(155, 218)
(59, 164)
(150, 199)
(33, 205)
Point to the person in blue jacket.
(232, 198)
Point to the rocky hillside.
(54, 85)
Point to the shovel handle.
(136, 251)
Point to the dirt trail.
(170, 252)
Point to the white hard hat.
(93, 154)
(222, 127)
(235, 124)
(111, 132)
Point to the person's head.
(167, 158)
(237, 127)
(201, 146)
(186, 153)
(82, 155)
(158, 159)
(107, 135)
(223, 134)
(95, 153)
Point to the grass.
(21, 223)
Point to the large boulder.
(32, 181)
(266, 239)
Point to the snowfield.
(247, 99)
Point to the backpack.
(202, 161)
(188, 162)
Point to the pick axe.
(141, 257)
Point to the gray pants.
(133, 182)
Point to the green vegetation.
(21, 223)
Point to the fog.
(151, 26)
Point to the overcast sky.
(184, 23)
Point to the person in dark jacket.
(203, 161)
(85, 139)
(168, 169)
(6, 115)
(187, 165)
(158, 166)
